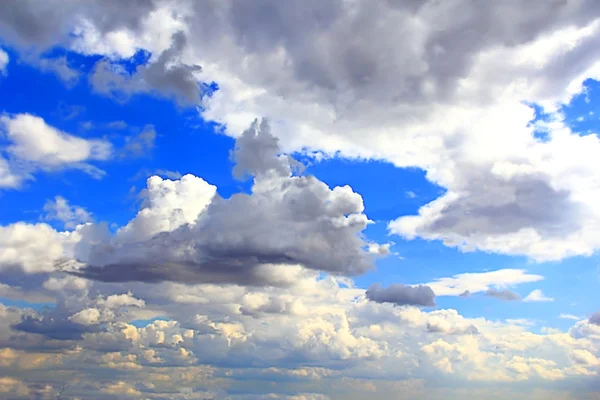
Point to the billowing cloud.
(385, 102)
(537, 296)
(187, 233)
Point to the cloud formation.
(186, 232)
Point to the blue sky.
(125, 233)
(388, 192)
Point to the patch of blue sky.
(26, 304)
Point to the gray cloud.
(166, 76)
(595, 318)
(286, 220)
(506, 295)
(402, 295)
(43, 24)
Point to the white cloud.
(34, 248)
(35, 141)
(570, 316)
(475, 282)
(537, 296)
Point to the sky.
(301, 200)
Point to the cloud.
(33, 248)
(594, 318)
(569, 316)
(52, 328)
(37, 145)
(287, 220)
(4, 59)
(59, 66)
(537, 296)
(35, 141)
(140, 145)
(164, 76)
(507, 295)
(349, 98)
(476, 282)
(59, 209)
(402, 295)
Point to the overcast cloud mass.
(301, 200)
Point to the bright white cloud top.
(281, 285)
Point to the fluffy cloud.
(595, 318)
(449, 93)
(344, 338)
(33, 248)
(188, 233)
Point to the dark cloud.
(141, 144)
(402, 295)
(53, 327)
(506, 295)
(285, 220)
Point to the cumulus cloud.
(348, 97)
(402, 295)
(466, 284)
(595, 318)
(33, 248)
(187, 233)
(449, 93)
(141, 144)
